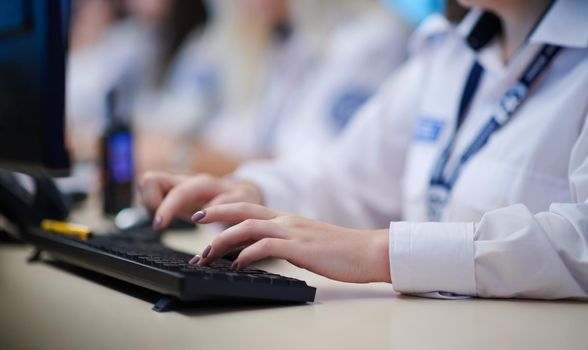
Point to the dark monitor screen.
(33, 45)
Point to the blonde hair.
(239, 44)
(315, 19)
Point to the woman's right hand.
(169, 196)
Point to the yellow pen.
(66, 228)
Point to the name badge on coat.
(428, 129)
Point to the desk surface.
(46, 307)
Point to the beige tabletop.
(43, 306)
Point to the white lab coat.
(516, 224)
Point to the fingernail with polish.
(198, 216)
(235, 265)
(194, 260)
(157, 223)
(206, 251)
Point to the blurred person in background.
(215, 83)
(325, 59)
(352, 46)
(177, 68)
(125, 44)
(262, 78)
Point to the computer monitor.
(33, 44)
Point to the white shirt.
(356, 61)
(516, 224)
(307, 96)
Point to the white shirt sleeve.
(326, 186)
(510, 253)
(356, 61)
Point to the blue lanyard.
(440, 185)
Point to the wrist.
(380, 260)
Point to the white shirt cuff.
(432, 257)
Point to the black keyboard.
(136, 256)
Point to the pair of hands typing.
(335, 252)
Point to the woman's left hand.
(335, 252)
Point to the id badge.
(436, 201)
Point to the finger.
(237, 212)
(149, 187)
(173, 205)
(239, 235)
(160, 179)
(265, 248)
(190, 194)
(154, 185)
(226, 198)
